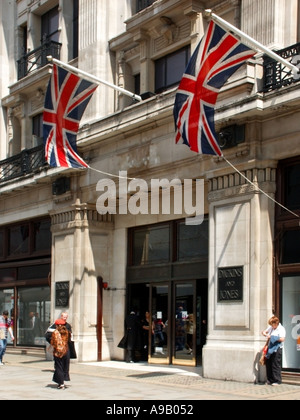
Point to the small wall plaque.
(62, 289)
(230, 284)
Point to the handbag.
(2, 334)
(123, 343)
(262, 360)
(73, 354)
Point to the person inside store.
(190, 333)
(35, 326)
(146, 325)
(276, 333)
(133, 328)
(59, 336)
(5, 328)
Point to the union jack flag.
(216, 58)
(66, 99)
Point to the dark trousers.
(273, 365)
(61, 369)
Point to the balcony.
(37, 58)
(27, 162)
(276, 75)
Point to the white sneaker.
(1, 364)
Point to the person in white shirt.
(276, 334)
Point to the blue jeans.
(3, 344)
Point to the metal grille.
(26, 162)
(37, 58)
(276, 75)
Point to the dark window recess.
(170, 69)
(292, 186)
(137, 84)
(75, 28)
(34, 272)
(8, 275)
(290, 247)
(37, 130)
(1, 243)
(61, 186)
(142, 4)
(231, 136)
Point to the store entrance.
(178, 315)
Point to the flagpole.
(96, 79)
(252, 41)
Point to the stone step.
(30, 351)
(292, 378)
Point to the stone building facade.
(61, 250)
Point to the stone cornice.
(234, 184)
(79, 216)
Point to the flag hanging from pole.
(218, 55)
(65, 102)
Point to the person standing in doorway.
(146, 326)
(133, 328)
(276, 333)
(5, 328)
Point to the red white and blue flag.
(216, 58)
(66, 99)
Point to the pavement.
(27, 377)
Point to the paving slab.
(30, 378)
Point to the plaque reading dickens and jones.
(62, 294)
(230, 284)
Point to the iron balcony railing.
(37, 58)
(25, 163)
(276, 75)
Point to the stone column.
(270, 22)
(81, 249)
(240, 274)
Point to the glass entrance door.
(184, 321)
(159, 340)
(291, 321)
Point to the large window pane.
(192, 241)
(33, 315)
(42, 236)
(49, 28)
(19, 240)
(7, 304)
(7, 275)
(151, 245)
(169, 69)
(291, 321)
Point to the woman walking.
(59, 336)
(60, 343)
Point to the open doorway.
(180, 309)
